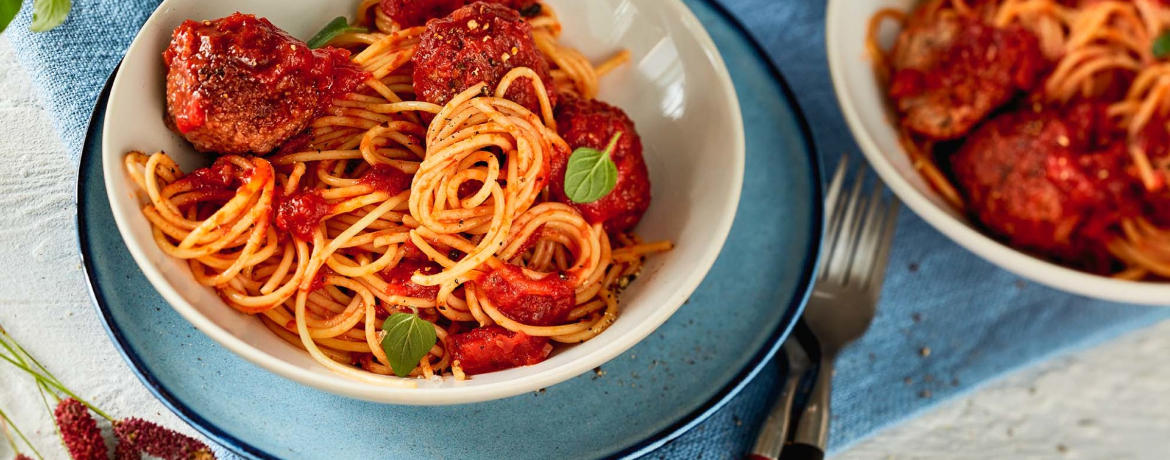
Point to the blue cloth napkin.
(977, 321)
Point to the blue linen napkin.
(977, 321)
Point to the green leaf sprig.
(337, 26)
(8, 10)
(590, 174)
(408, 339)
(47, 14)
(1161, 48)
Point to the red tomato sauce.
(493, 348)
(386, 178)
(399, 281)
(301, 213)
(541, 302)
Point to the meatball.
(1053, 182)
(493, 348)
(411, 13)
(592, 123)
(950, 73)
(479, 43)
(241, 85)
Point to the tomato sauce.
(301, 213)
(386, 178)
(220, 176)
(539, 302)
(399, 281)
(493, 348)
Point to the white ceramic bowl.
(864, 104)
(676, 89)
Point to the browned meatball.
(479, 43)
(411, 13)
(1052, 182)
(240, 85)
(592, 123)
(950, 73)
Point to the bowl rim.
(340, 385)
(1000, 254)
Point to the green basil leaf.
(48, 14)
(408, 339)
(590, 174)
(8, 10)
(1162, 46)
(337, 26)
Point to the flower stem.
(55, 384)
(20, 353)
(9, 423)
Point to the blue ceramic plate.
(666, 384)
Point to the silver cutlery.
(859, 229)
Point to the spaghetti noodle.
(391, 204)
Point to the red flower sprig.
(126, 451)
(152, 439)
(79, 431)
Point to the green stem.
(18, 433)
(612, 143)
(8, 436)
(8, 342)
(57, 385)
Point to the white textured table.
(1112, 402)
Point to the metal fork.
(858, 232)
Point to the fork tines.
(856, 226)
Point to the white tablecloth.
(1112, 402)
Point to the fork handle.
(774, 433)
(811, 435)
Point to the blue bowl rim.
(700, 414)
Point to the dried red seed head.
(151, 439)
(79, 431)
(126, 451)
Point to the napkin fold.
(948, 321)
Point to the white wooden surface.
(1109, 403)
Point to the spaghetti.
(391, 204)
(1100, 53)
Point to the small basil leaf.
(8, 10)
(408, 339)
(1162, 46)
(337, 26)
(590, 174)
(48, 14)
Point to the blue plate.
(668, 383)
